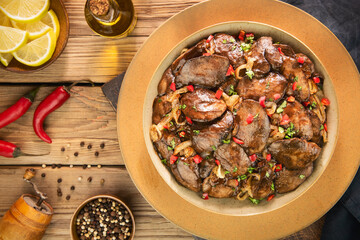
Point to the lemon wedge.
(38, 51)
(35, 30)
(52, 21)
(4, 20)
(25, 10)
(11, 39)
(5, 58)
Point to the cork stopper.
(99, 7)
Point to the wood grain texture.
(87, 116)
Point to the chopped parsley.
(295, 79)
(245, 46)
(207, 157)
(254, 201)
(272, 186)
(302, 176)
(267, 85)
(185, 163)
(194, 108)
(227, 172)
(251, 169)
(267, 174)
(242, 177)
(280, 109)
(277, 43)
(196, 132)
(313, 105)
(213, 147)
(183, 106)
(290, 131)
(233, 48)
(299, 88)
(281, 130)
(164, 161)
(172, 143)
(171, 123)
(232, 91)
(226, 141)
(250, 73)
(235, 112)
(322, 127)
(250, 39)
(169, 148)
(235, 169)
(159, 100)
(167, 115)
(224, 41)
(232, 40)
(271, 164)
(256, 115)
(270, 99)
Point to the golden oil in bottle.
(110, 18)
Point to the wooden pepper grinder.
(28, 217)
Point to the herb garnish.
(299, 88)
(196, 132)
(245, 46)
(233, 48)
(227, 172)
(183, 106)
(226, 141)
(242, 177)
(280, 109)
(224, 41)
(232, 91)
(194, 108)
(281, 130)
(256, 115)
(251, 169)
(290, 131)
(164, 161)
(322, 127)
(159, 100)
(302, 176)
(295, 79)
(235, 112)
(267, 174)
(235, 169)
(232, 40)
(213, 147)
(267, 85)
(250, 73)
(272, 186)
(313, 105)
(254, 201)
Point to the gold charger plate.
(295, 215)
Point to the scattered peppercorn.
(53, 166)
(102, 145)
(89, 179)
(59, 166)
(59, 180)
(72, 188)
(63, 149)
(58, 190)
(76, 154)
(84, 166)
(89, 146)
(96, 154)
(68, 197)
(59, 194)
(43, 175)
(82, 144)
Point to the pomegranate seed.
(189, 120)
(277, 96)
(285, 119)
(190, 88)
(306, 104)
(241, 35)
(218, 93)
(280, 51)
(268, 157)
(173, 86)
(262, 101)
(197, 159)
(325, 127)
(207, 54)
(270, 197)
(325, 101)
(238, 141)
(291, 99)
(230, 71)
(205, 196)
(278, 167)
(173, 159)
(250, 118)
(209, 38)
(253, 157)
(301, 60)
(217, 162)
(294, 86)
(316, 79)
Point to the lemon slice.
(4, 20)
(52, 21)
(5, 58)
(35, 30)
(38, 51)
(11, 39)
(25, 10)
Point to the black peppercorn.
(84, 166)
(82, 144)
(53, 166)
(59, 165)
(59, 194)
(63, 149)
(68, 197)
(96, 154)
(72, 188)
(89, 179)
(43, 175)
(102, 145)
(76, 154)
(59, 180)
(89, 146)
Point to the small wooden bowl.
(73, 233)
(59, 8)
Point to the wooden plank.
(149, 224)
(88, 56)
(87, 116)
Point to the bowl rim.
(86, 201)
(53, 58)
(149, 145)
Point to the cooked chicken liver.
(227, 46)
(205, 71)
(262, 188)
(218, 187)
(160, 108)
(294, 153)
(269, 86)
(201, 105)
(285, 49)
(289, 180)
(233, 158)
(256, 133)
(165, 144)
(165, 81)
(186, 172)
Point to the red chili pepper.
(294, 86)
(173, 159)
(316, 79)
(268, 157)
(270, 197)
(217, 162)
(280, 51)
(241, 35)
(218, 93)
(190, 88)
(205, 196)
(238, 141)
(18, 109)
(253, 157)
(262, 101)
(278, 167)
(249, 35)
(237, 182)
(198, 159)
(207, 54)
(209, 38)
(10, 150)
(166, 127)
(306, 104)
(230, 71)
(250, 118)
(277, 96)
(325, 101)
(182, 134)
(285, 119)
(173, 86)
(301, 60)
(189, 120)
(325, 127)
(291, 99)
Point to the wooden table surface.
(86, 117)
